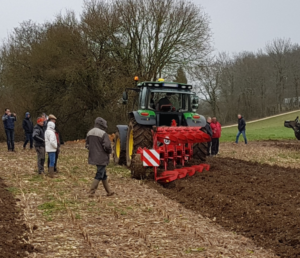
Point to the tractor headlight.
(190, 87)
(156, 85)
(149, 84)
(183, 87)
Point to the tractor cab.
(161, 103)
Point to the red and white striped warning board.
(151, 158)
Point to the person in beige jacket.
(51, 146)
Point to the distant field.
(269, 129)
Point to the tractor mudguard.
(196, 122)
(123, 135)
(143, 120)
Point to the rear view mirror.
(125, 97)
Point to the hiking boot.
(94, 187)
(107, 188)
(51, 172)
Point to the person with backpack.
(9, 120)
(99, 146)
(51, 147)
(28, 129)
(242, 129)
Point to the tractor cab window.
(165, 101)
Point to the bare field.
(136, 222)
(281, 153)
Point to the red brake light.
(196, 117)
(145, 114)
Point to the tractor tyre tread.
(200, 150)
(142, 137)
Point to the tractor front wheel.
(119, 155)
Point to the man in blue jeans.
(28, 128)
(9, 120)
(241, 128)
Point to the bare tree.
(160, 35)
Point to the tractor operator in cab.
(164, 104)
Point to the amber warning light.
(136, 78)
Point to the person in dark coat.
(9, 120)
(28, 129)
(99, 146)
(209, 131)
(241, 128)
(164, 104)
(38, 136)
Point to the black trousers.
(215, 146)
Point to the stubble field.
(245, 206)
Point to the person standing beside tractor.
(209, 131)
(38, 136)
(28, 129)
(241, 128)
(216, 129)
(99, 146)
(9, 120)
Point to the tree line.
(256, 85)
(77, 68)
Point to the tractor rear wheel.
(200, 150)
(137, 136)
(119, 155)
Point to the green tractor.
(165, 122)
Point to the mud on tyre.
(200, 150)
(137, 136)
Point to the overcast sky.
(237, 25)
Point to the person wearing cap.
(38, 136)
(51, 146)
(99, 146)
(52, 118)
(28, 129)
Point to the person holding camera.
(9, 120)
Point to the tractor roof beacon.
(164, 132)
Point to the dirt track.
(12, 230)
(258, 201)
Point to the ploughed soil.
(13, 231)
(259, 201)
(293, 146)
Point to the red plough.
(173, 144)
